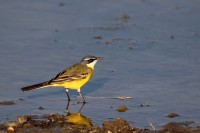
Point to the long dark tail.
(36, 86)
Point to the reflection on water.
(66, 122)
(76, 119)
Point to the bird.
(73, 77)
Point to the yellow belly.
(75, 85)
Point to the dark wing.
(75, 72)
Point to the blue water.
(152, 56)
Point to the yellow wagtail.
(73, 77)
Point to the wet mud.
(77, 123)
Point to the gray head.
(90, 60)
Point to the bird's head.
(90, 60)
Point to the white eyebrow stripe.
(90, 58)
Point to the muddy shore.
(77, 123)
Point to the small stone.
(97, 37)
(172, 115)
(172, 37)
(122, 108)
(41, 108)
(21, 119)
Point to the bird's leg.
(67, 110)
(79, 92)
(68, 94)
(81, 107)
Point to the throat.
(92, 64)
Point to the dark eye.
(90, 60)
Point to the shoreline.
(75, 122)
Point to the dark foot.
(82, 97)
(84, 102)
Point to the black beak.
(99, 58)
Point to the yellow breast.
(77, 84)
